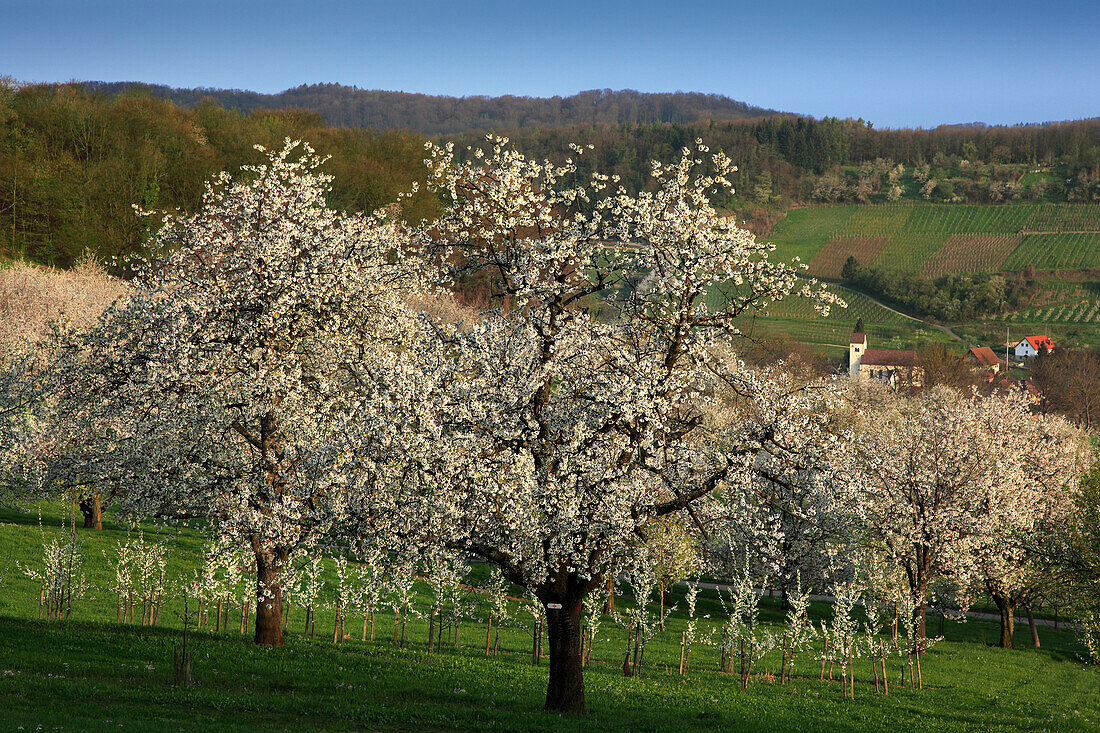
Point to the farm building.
(1032, 345)
(982, 358)
(893, 367)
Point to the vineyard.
(1064, 251)
(795, 319)
(937, 239)
(970, 253)
(1083, 311)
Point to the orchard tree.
(23, 386)
(940, 480)
(38, 307)
(553, 430)
(785, 516)
(1076, 554)
(223, 387)
(1015, 563)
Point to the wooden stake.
(742, 651)
(885, 682)
(783, 666)
(874, 666)
(852, 673)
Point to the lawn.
(89, 673)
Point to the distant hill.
(344, 106)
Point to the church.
(893, 367)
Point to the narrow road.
(946, 329)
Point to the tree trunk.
(565, 691)
(661, 599)
(609, 602)
(1031, 623)
(269, 595)
(92, 509)
(919, 613)
(1006, 608)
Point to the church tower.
(857, 345)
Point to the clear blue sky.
(896, 64)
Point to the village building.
(896, 368)
(983, 358)
(1032, 345)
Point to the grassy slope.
(796, 319)
(92, 674)
(1049, 236)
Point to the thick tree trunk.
(92, 509)
(1006, 607)
(269, 595)
(919, 613)
(565, 691)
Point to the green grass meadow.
(90, 673)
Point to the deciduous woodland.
(295, 381)
(74, 157)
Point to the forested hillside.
(786, 159)
(73, 161)
(438, 115)
(73, 164)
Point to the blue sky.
(896, 64)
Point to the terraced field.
(936, 239)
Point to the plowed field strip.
(829, 260)
(971, 253)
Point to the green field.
(933, 240)
(1053, 236)
(90, 673)
(795, 319)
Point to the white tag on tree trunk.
(553, 605)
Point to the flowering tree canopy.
(223, 386)
(553, 433)
(786, 516)
(940, 481)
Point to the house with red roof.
(982, 358)
(897, 368)
(1032, 345)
